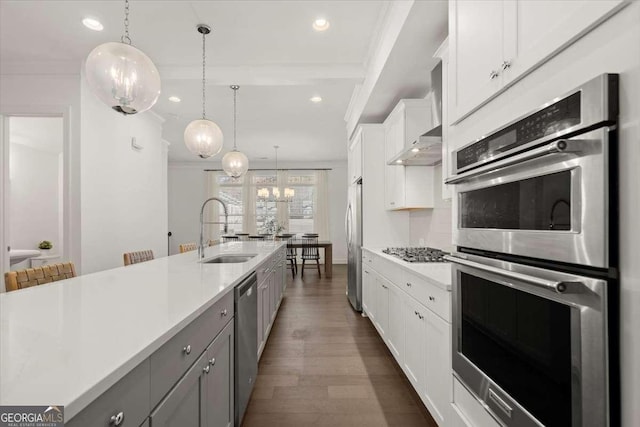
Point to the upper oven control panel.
(581, 109)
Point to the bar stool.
(14, 280)
(139, 256)
(231, 238)
(254, 237)
(243, 236)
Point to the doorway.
(34, 187)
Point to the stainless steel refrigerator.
(353, 229)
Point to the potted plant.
(45, 245)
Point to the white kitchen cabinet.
(409, 187)
(438, 379)
(416, 343)
(495, 43)
(395, 322)
(407, 121)
(368, 282)
(382, 305)
(355, 157)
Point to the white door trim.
(64, 111)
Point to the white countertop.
(438, 273)
(67, 342)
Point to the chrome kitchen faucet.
(226, 223)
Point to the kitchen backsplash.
(432, 227)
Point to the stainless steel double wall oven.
(534, 286)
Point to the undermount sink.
(229, 259)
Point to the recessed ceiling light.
(316, 99)
(92, 24)
(415, 150)
(398, 161)
(321, 24)
(174, 99)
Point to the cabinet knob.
(223, 312)
(206, 369)
(431, 298)
(493, 74)
(187, 349)
(212, 361)
(408, 284)
(117, 419)
(506, 65)
(415, 312)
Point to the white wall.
(612, 47)
(124, 191)
(187, 191)
(35, 197)
(432, 227)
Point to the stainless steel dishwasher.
(246, 343)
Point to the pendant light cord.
(125, 37)
(204, 81)
(235, 118)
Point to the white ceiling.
(39, 133)
(267, 47)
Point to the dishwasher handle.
(246, 286)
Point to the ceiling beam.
(266, 75)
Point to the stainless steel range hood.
(427, 149)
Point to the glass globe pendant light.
(203, 137)
(235, 163)
(121, 76)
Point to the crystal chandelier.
(203, 137)
(235, 163)
(121, 76)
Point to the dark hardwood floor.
(325, 365)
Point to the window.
(230, 191)
(296, 215)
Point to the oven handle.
(559, 146)
(558, 287)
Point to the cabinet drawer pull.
(206, 369)
(212, 361)
(431, 298)
(506, 65)
(409, 284)
(415, 312)
(117, 419)
(187, 349)
(493, 74)
(223, 313)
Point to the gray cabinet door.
(183, 405)
(219, 397)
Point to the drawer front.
(126, 401)
(264, 270)
(434, 298)
(394, 273)
(173, 359)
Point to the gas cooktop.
(417, 254)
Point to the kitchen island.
(69, 342)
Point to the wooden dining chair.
(136, 257)
(187, 247)
(310, 252)
(21, 279)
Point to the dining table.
(325, 245)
